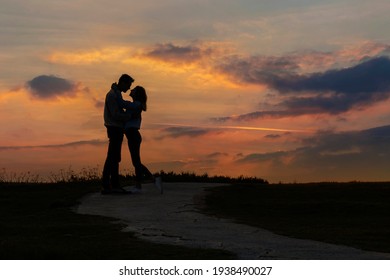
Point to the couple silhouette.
(123, 117)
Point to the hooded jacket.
(114, 114)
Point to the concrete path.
(172, 218)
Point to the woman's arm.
(134, 107)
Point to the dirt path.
(171, 218)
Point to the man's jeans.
(111, 166)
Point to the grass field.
(353, 214)
(37, 221)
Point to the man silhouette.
(114, 119)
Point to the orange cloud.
(194, 61)
(87, 57)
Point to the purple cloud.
(330, 92)
(173, 53)
(46, 87)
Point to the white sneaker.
(158, 183)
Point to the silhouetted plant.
(193, 177)
(93, 175)
(22, 177)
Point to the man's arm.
(116, 112)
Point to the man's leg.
(111, 165)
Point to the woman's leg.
(134, 140)
(146, 173)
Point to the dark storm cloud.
(333, 91)
(274, 156)
(273, 136)
(99, 104)
(257, 115)
(340, 90)
(217, 155)
(177, 131)
(371, 77)
(49, 86)
(279, 73)
(338, 151)
(258, 69)
(175, 53)
(330, 92)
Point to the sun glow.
(86, 57)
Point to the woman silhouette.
(134, 139)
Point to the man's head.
(125, 82)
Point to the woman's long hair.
(140, 95)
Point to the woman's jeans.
(134, 140)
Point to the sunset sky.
(290, 91)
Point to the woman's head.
(139, 94)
